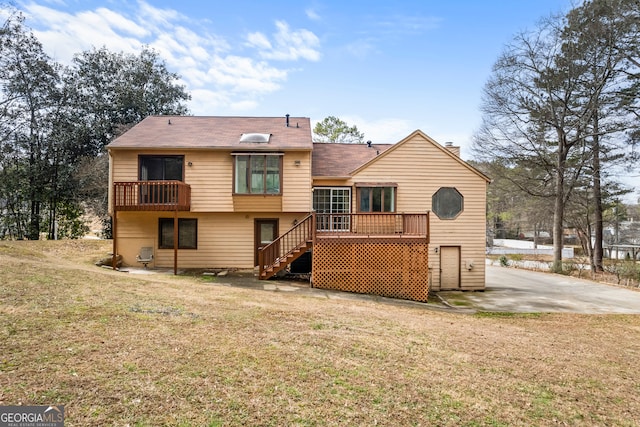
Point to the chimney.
(287, 116)
(454, 149)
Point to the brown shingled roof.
(339, 160)
(216, 132)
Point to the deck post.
(428, 230)
(175, 242)
(314, 230)
(114, 233)
(260, 262)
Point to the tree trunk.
(33, 233)
(558, 219)
(34, 220)
(589, 247)
(597, 196)
(558, 209)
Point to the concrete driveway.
(508, 290)
(524, 291)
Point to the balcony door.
(332, 201)
(160, 168)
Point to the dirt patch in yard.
(123, 349)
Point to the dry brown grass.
(120, 349)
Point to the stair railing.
(295, 238)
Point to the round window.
(447, 203)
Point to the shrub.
(624, 270)
(568, 268)
(517, 257)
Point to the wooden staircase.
(277, 255)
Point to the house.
(240, 192)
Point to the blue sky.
(388, 67)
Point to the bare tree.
(533, 121)
(602, 37)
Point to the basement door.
(449, 267)
(266, 231)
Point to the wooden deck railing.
(373, 224)
(281, 252)
(151, 196)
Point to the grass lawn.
(120, 349)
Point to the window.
(187, 233)
(447, 203)
(376, 199)
(161, 168)
(258, 174)
(333, 201)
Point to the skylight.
(255, 137)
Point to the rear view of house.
(241, 192)
(232, 183)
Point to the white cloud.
(245, 75)
(64, 34)
(206, 101)
(215, 78)
(360, 48)
(163, 17)
(245, 105)
(288, 45)
(381, 131)
(258, 40)
(312, 14)
(117, 22)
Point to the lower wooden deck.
(383, 265)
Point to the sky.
(387, 67)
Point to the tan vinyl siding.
(211, 179)
(296, 182)
(419, 169)
(225, 240)
(124, 165)
(257, 203)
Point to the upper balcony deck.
(151, 196)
